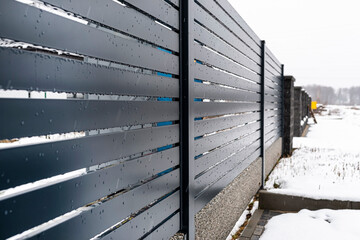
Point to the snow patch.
(313, 225)
(326, 164)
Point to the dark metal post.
(263, 55)
(187, 221)
(282, 101)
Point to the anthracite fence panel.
(224, 4)
(207, 91)
(158, 9)
(273, 98)
(210, 159)
(121, 154)
(47, 203)
(69, 155)
(227, 66)
(207, 56)
(205, 19)
(61, 116)
(156, 121)
(49, 30)
(222, 78)
(45, 72)
(204, 109)
(208, 126)
(128, 20)
(231, 171)
(93, 221)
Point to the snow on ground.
(314, 225)
(326, 164)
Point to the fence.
(297, 104)
(176, 101)
(302, 103)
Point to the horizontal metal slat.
(270, 72)
(271, 137)
(34, 117)
(206, 73)
(217, 12)
(209, 57)
(214, 174)
(221, 31)
(203, 109)
(271, 98)
(105, 215)
(272, 132)
(274, 80)
(273, 119)
(271, 84)
(144, 222)
(274, 70)
(163, 11)
(207, 38)
(207, 143)
(270, 128)
(167, 230)
(123, 18)
(35, 26)
(58, 199)
(45, 72)
(276, 89)
(20, 165)
(215, 92)
(269, 105)
(219, 185)
(272, 57)
(229, 9)
(271, 141)
(202, 127)
(210, 159)
(270, 113)
(272, 91)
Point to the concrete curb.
(274, 201)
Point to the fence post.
(186, 82)
(297, 111)
(263, 157)
(288, 114)
(282, 100)
(303, 105)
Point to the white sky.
(318, 41)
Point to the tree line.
(329, 95)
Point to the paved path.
(257, 223)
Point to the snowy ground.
(314, 225)
(326, 164)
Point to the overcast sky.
(318, 41)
